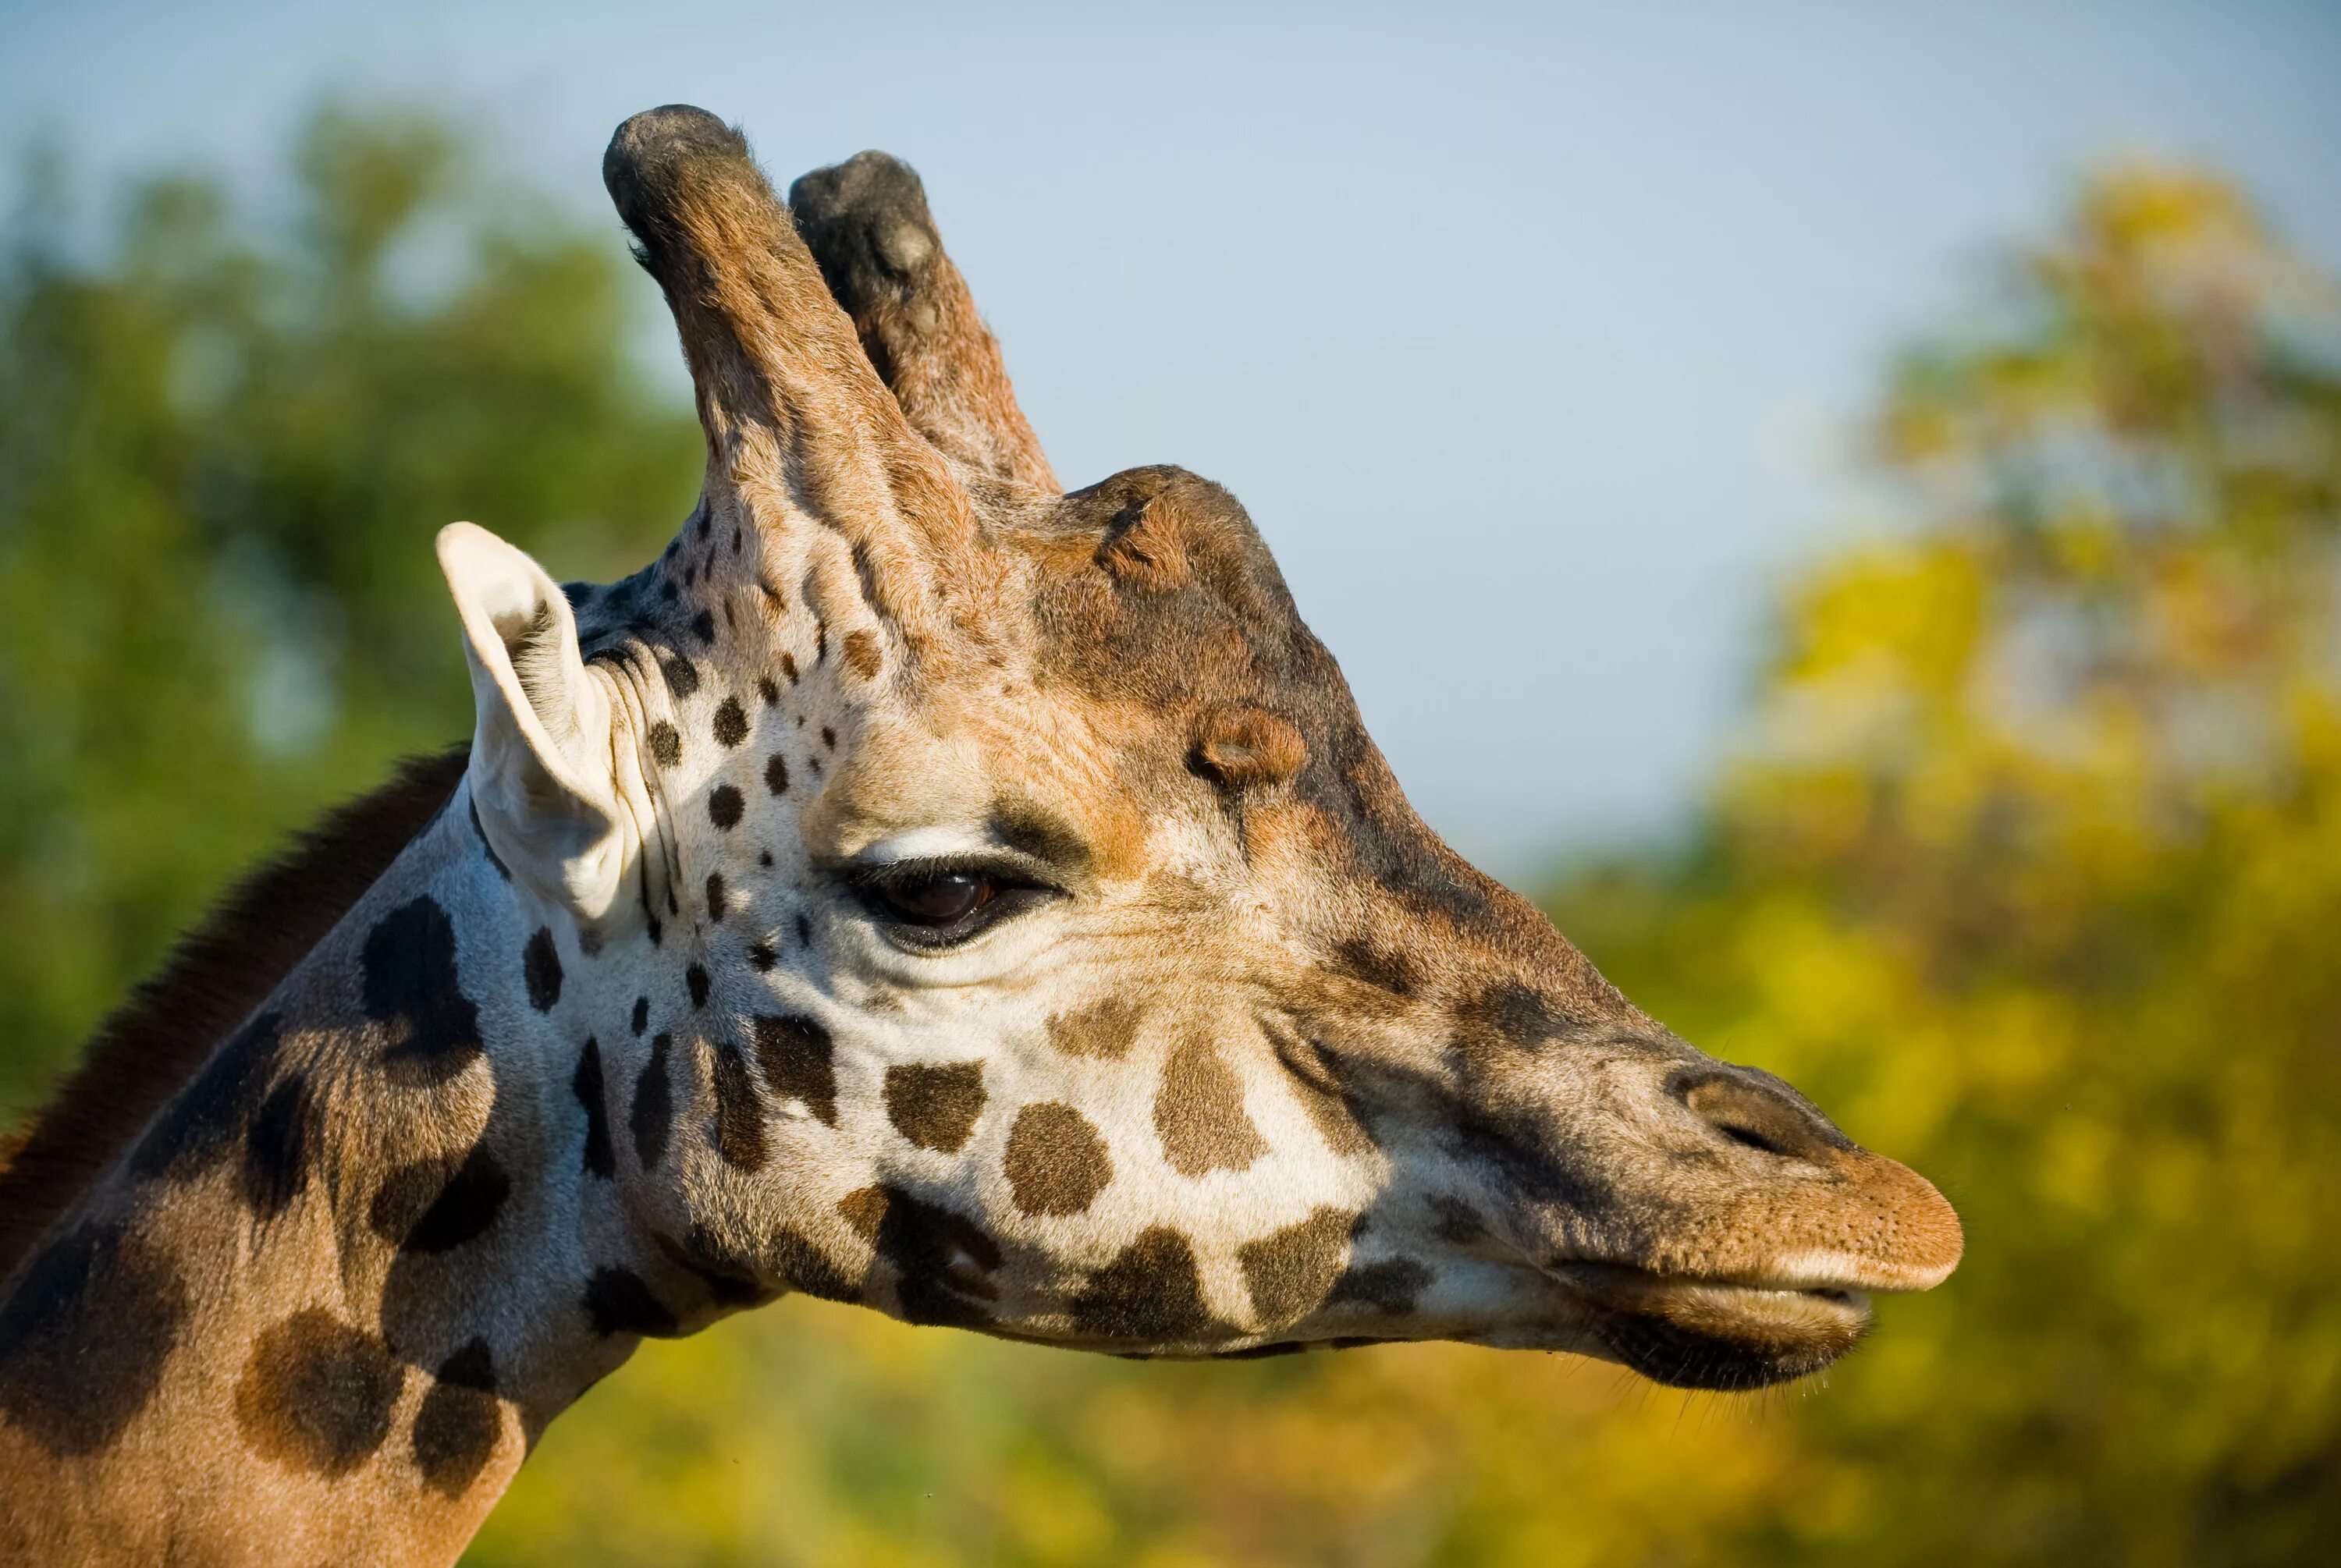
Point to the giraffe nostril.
(1756, 1111)
(1751, 1137)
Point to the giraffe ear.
(541, 775)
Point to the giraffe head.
(1003, 919)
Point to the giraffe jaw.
(1689, 1331)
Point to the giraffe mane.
(219, 971)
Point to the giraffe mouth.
(1689, 1331)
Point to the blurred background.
(1845, 509)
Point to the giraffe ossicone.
(919, 886)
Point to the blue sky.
(1531, 338)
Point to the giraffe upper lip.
(1629, 1287)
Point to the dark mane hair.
(217, 974)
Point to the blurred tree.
(221, 464)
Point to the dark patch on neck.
(85, 1335)
(456, 1429)
(540, 966)
(682, 676)
(212, 980)
(1389, 1287)
(619, 1301)
(411, 980)
(653, 1112)
(797, 1058)
(199, 1126)
(425, 1207)
(807, 1268)
(472, 811)
(317, 1393)
(586, 1084)
(276, 1150)
(728, 1284)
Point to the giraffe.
(919, 886)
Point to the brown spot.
(316, 1393)
(861, 654)
(1056, 1162)
(1341, 1129)
(457, 1427)
(1105, 1030)
(1151, 1293)
(1200, 1114)
(935, 1106)
(1292, 1272)
(1241, 746)
(85, 1334)
(731, 726)
(739, 1114)
(864, 1208)
(797, 1058)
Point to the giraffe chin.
(1690, 1333)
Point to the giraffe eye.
(933, 903)
(938, 900)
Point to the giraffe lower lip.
(1693, 1333)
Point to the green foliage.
(2029, 871)
(222, 462)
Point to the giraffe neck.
(323, 1305)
